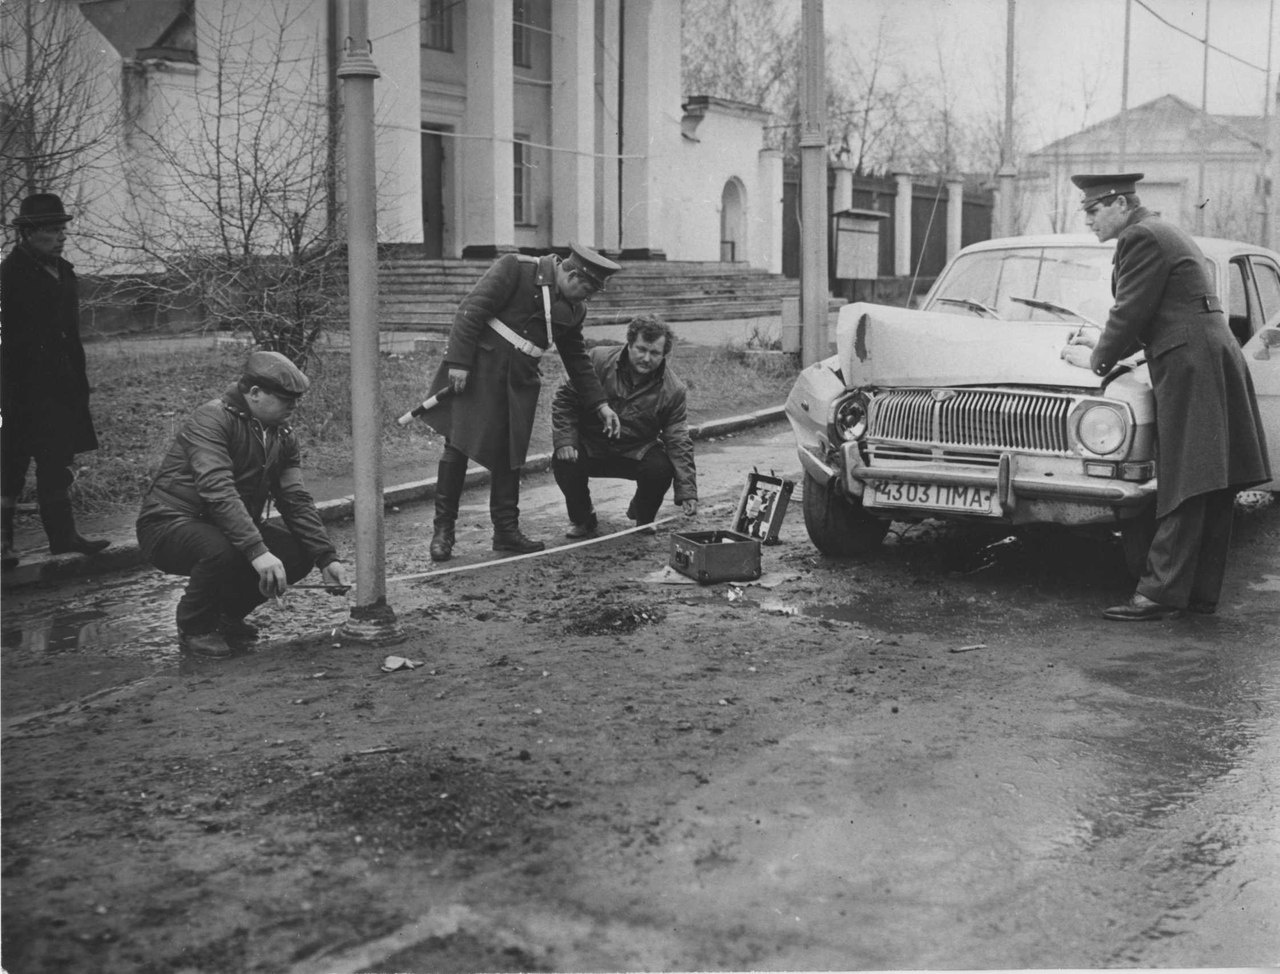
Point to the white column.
(955, 215)
(488, 162)
(573, 191)
(608, 128)
(650, 119)
(902, 226)
(842, 194)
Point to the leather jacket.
(222, 467)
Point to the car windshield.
(1033, 284)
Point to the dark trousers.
(53, 475)
(1188, 555)
(223, 581)
(504, 491)
(652, 473)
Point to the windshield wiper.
(971, 304)
(1054, 308)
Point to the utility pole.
(1008, 171)
(1124, 92)
(372, 620)
(815, 295)
(1201, 202)
(1268, 185)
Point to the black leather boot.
(504, 510)
(450, 477)
(60, 526)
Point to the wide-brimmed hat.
(41, 210)
(1099, 186)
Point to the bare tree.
(232, 184)
(57, 122)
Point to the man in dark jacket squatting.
(653, 447)
(203, 514)
(43, 384)
(501, 329)
(1209, 431)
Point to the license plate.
(959, 498)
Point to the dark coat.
(221, 467)
(492, 420)
(652, 411)
(43, 384)
(1207, 421)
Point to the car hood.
(885, 346)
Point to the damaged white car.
(965, 409)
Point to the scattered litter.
(734, 593)
(393, 663)
(777, 608)
(666, 575)
(967, 649)
(381, 749)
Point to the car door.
(1262, 350)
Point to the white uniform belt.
(523, 345)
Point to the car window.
(1078, 278)
(1267, 274)
(1238, 301)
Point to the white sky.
(1069, 53)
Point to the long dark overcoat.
(1207, 421)
(43, 386)
(492, 420)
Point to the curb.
(124, 553)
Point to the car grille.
(932, 423)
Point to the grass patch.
(141, 396)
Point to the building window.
(437, 24)
(522, 183)
(522, 38)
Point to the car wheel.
(836, 523)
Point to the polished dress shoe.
(75, 544)
(1139, 608)
(516, 540)
(441, 544)
(584, 529)
(211, 645)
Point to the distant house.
(1204, 172)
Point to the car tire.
(837, 524)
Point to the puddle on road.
(131, 616)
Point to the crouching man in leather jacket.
(203, 513)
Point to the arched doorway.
(733, 224)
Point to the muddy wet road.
(937, 757)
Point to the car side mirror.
(1270, 339)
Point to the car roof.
(1215, 247)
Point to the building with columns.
(501, 124)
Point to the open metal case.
(734, 555)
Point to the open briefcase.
(734, 555)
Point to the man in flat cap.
(501, 329)
(203, 513)
(43, 383)
(653, 447)
(1211, 443)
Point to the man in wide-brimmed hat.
(42, 376)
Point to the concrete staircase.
(416, 294)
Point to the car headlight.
(851, 419)
(1102, 429)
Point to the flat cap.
(275, 373)
(593, 265)
(1102, 186)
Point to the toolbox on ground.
(734, 555)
